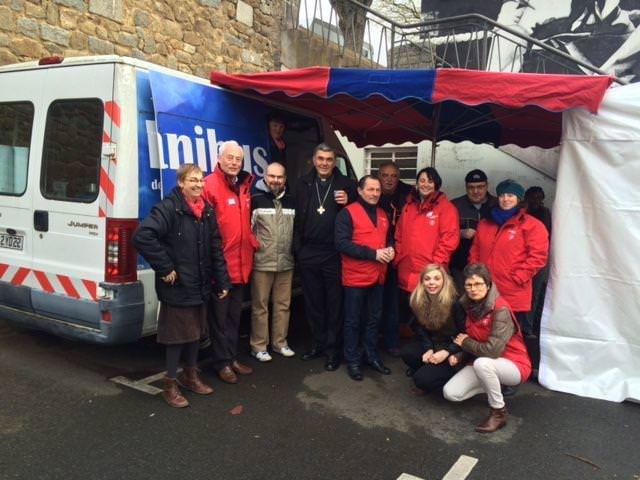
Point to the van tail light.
(120, 255)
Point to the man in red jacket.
(227, 189)
(363, 240)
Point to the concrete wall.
(194, 36)
(302, 49)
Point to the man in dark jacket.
(392, 201)
(475, 205)
(362, 238)
(320, 195)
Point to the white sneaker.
(285, 351)
(261, 356)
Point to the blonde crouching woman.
(438, 319)
(494, 338)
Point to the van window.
(16, 120)
(71, 150)
(343, 165)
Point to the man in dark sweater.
(392, 200)
(475, 205)
(362, 238)
(319, 196)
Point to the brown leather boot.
(241, 368)
(497, 419)
(190, 380)
(172, 395)
(227, 375)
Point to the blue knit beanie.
(510, 186)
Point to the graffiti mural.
(601, 32)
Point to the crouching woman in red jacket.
(493, 337)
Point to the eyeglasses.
(195, 180)
(471, 286)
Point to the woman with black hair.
(428, 230)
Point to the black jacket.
(172, 238)
(304, 191)
(439, 340)
(394, 203)
(469, 216)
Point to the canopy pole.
(435, 123)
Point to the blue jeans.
(389, 319)
(354, 301)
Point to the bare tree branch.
(402, 11)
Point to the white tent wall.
(590, 334)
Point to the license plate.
(14, 242)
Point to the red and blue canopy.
(373, 107)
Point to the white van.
(87, 146)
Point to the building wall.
(194, 36)
(454, 160)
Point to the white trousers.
(485, 375)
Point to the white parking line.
(144, 384)
(138, 385)
(461, 469)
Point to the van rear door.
(19, 101)
(73, 191)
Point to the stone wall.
(194, 36)
(300, 49)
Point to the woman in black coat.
(181, 242)
(438, 319)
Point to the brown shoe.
(241, 369)
(497, 419)
(227, 375)
(172, 395)
(190, 380)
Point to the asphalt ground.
(62, 418)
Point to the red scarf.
(279, 143)
(196, 206)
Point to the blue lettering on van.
(193, 120)
(181, 121)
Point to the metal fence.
(468, 41)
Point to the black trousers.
(322, 290)
(224, 326)
(427, 377)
